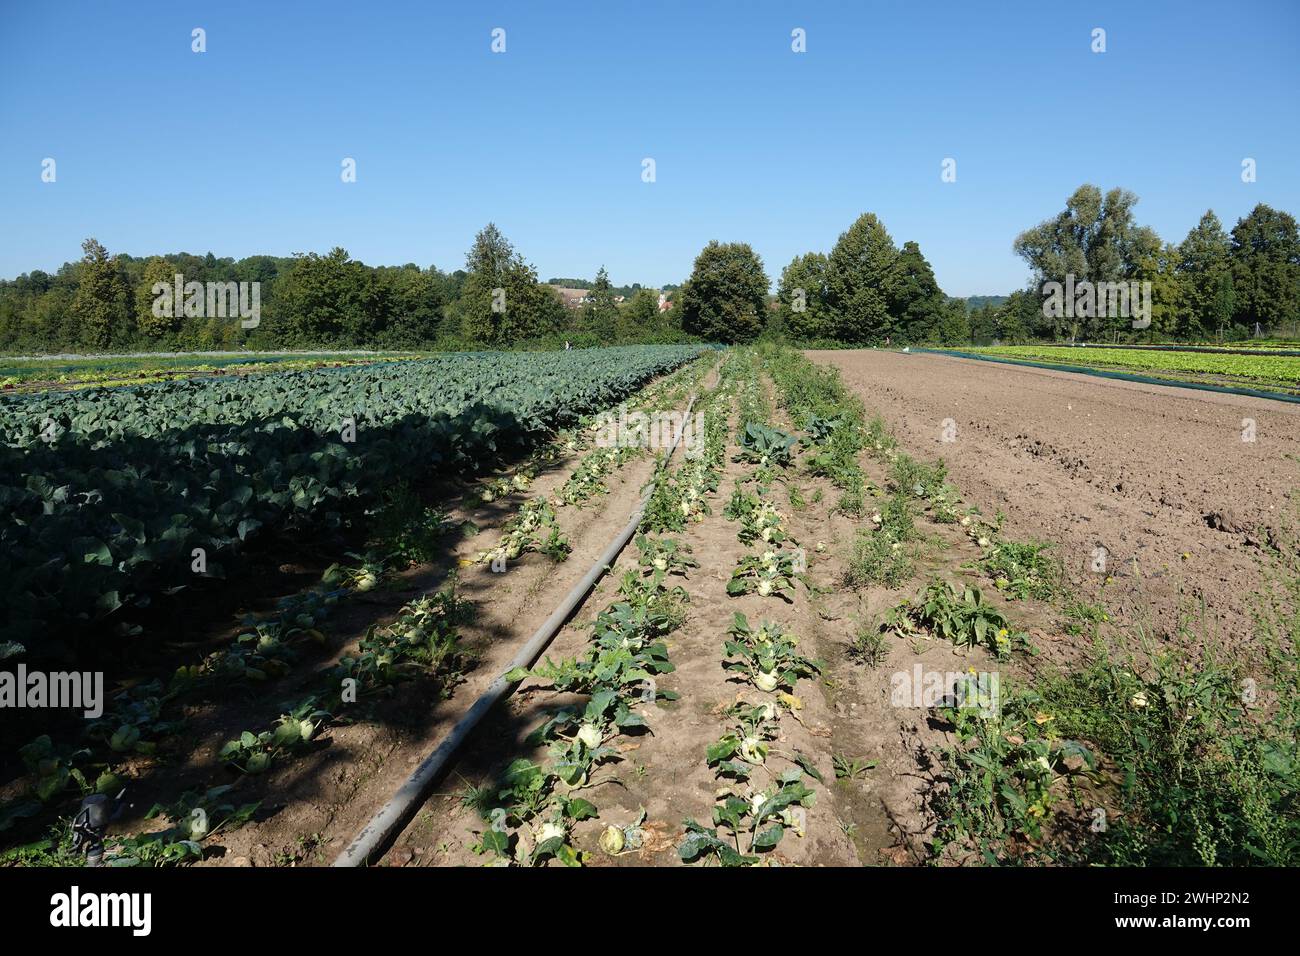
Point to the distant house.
(572, 298)
(664, 303)
(618, 300)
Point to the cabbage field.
(107, 493)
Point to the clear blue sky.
(237, 150)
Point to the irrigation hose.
(393, 817)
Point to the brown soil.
(882, 818)
(1160, 477)
(323, 799)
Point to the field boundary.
(1122, 376)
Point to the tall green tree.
(723, 300)
(1095, 237)
(1169, 299)
(804, 310)
(917, 304)
(641, 316)
(1265, 263)
(155, 327)
(330, 300)
(948, 323)
(100, 306)
(417, 301)
(860, 276)
(600, 315)
(1206, 272)
(501, 301)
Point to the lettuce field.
(1273, 372)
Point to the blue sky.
(238, 150)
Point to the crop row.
(756, 804)
(531, 808)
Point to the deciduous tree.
(723, 301)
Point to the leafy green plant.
(1203, 774)
(770, 574)
(365, 575)
(134, 721)
(851, 768)
(1023, 570)
(407, 530)
(253, 753)
(665, 555)
(588, 479)
(160, 469)
(879, 553)
(766, 655)
(1084, 617)
(53, 767)
(760, 817)
(868, 646)
(957, 613)
(820, 430)
(196, 818)
(670, 507)
(524, 532)
(760, 520)
(764, 445)
(424, 639)
(1002, 770)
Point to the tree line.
(106, 302)
(866, 291)
(1215, 284)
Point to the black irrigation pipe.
(1121, 376)
(393, 817)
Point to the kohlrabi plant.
(534, 528)
(766, 655)
(364, 575)
(665, 555)
(770, 574)
(253, 753)
(749, 821)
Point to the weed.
(958, 613)
(851, 768)
(406, 529)
(869, 646)
(1023, 570)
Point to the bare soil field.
(1183, 489)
